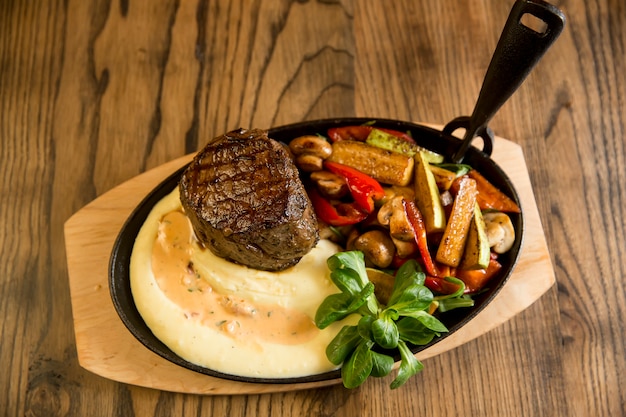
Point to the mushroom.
(310, 152)
(392, 214)
(377, 247)
(309, 162)
(404, 249)
(352, 236)
(330, 185)
(500, 231)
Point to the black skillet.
(518, 50)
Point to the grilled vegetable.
(335, 214)
(476, 279)
(477, 252)
(454, 237)
(377, 247)
(364, 189)
(489, 197)
(419, 230)
(499, 231)
(443, 177)
(385, 140)
(330, 185)
(393, 215)
(385, 166)
(427, 195)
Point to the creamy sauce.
(228, 317)
(174, 271)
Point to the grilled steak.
(246, 202)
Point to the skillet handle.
(517, 52)
(463, 122)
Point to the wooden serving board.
(105, 347)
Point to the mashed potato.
(224, 316)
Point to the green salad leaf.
(362, 349)
(408, 367)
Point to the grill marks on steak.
(246, 202)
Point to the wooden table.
(94, 93)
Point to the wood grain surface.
(93, 93)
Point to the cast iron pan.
(518, 50)
(430, 138)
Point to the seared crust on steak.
(246, 202)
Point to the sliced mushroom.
(377, 247)
(330, 185)
(385, 212)
(310, 152)
(309, 163)
(392, 214)
(500, 231)
(311, 144)
(404, 249)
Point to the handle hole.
(534, 23)
(459, 133)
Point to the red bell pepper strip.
(341, 214)
(363, 188)
(360, 133)
(417, 222)
(445, 270)
(440, 285)
(397, 261)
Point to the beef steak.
(246, 202)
